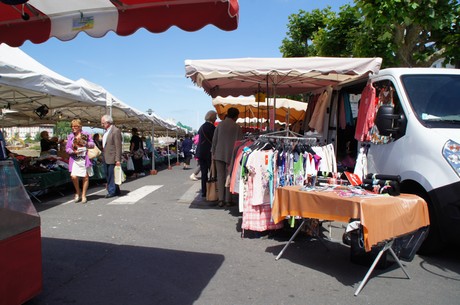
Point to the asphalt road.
(160, 243)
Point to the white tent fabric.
(276, 76)
(25, 85)
(287, 110)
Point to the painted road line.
(190, 195)
(87, 195)
(136, 195)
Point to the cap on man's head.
(233, 113)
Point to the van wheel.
(433, 243)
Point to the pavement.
(161, 243)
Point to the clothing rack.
(294, 136)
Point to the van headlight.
(451, 152)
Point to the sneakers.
(193, 177)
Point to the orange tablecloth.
(382, 217)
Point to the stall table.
(382, 217)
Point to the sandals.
(77, 199)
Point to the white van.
(417, 137)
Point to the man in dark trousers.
(112, 149)
(203, 149)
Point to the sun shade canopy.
(32, 94)
(287, 111)
(38, 20)
(279, 76)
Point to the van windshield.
(435, 99)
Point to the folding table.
(382, 217)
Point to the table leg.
(379, 255)
(291, 239)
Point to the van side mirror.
(385, 120)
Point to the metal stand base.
(387, 247)
(304, 222)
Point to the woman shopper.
(136, 146)
(203, 150)
(80, 166)
(196, 140)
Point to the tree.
(402, 32)
(62, 129)
(302, 28)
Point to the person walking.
(186, 149)
(112, 149)
(136, 146)
(225, 135)
(78, 142)
(196, 140)
(203, 149)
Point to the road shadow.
(330, 257)
(85, 272)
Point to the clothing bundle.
(262, 165)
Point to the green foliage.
(62, 129)
(402, 32)
(28, 138)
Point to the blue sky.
(147, 70)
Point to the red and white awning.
(64, 19)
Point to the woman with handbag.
(80, 165)
(203, 150)
(137, 152)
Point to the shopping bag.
(94, 152)
(130, 165)
(138, 154)
(211, 185)
(119, 175)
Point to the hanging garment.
(366, 114)
(319, 114)
(361, 164)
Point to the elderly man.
(223, 141)
(112, 149)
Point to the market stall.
(20, 240)
(288, 112)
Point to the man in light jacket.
(111, 142)
(223, 141)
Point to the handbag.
(94, 152)
(211, 185)
(138, 154)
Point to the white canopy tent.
(26, 85)
(276, 76)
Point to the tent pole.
(177, 149)
(167, 147)
(268, 106)
(153, 171)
